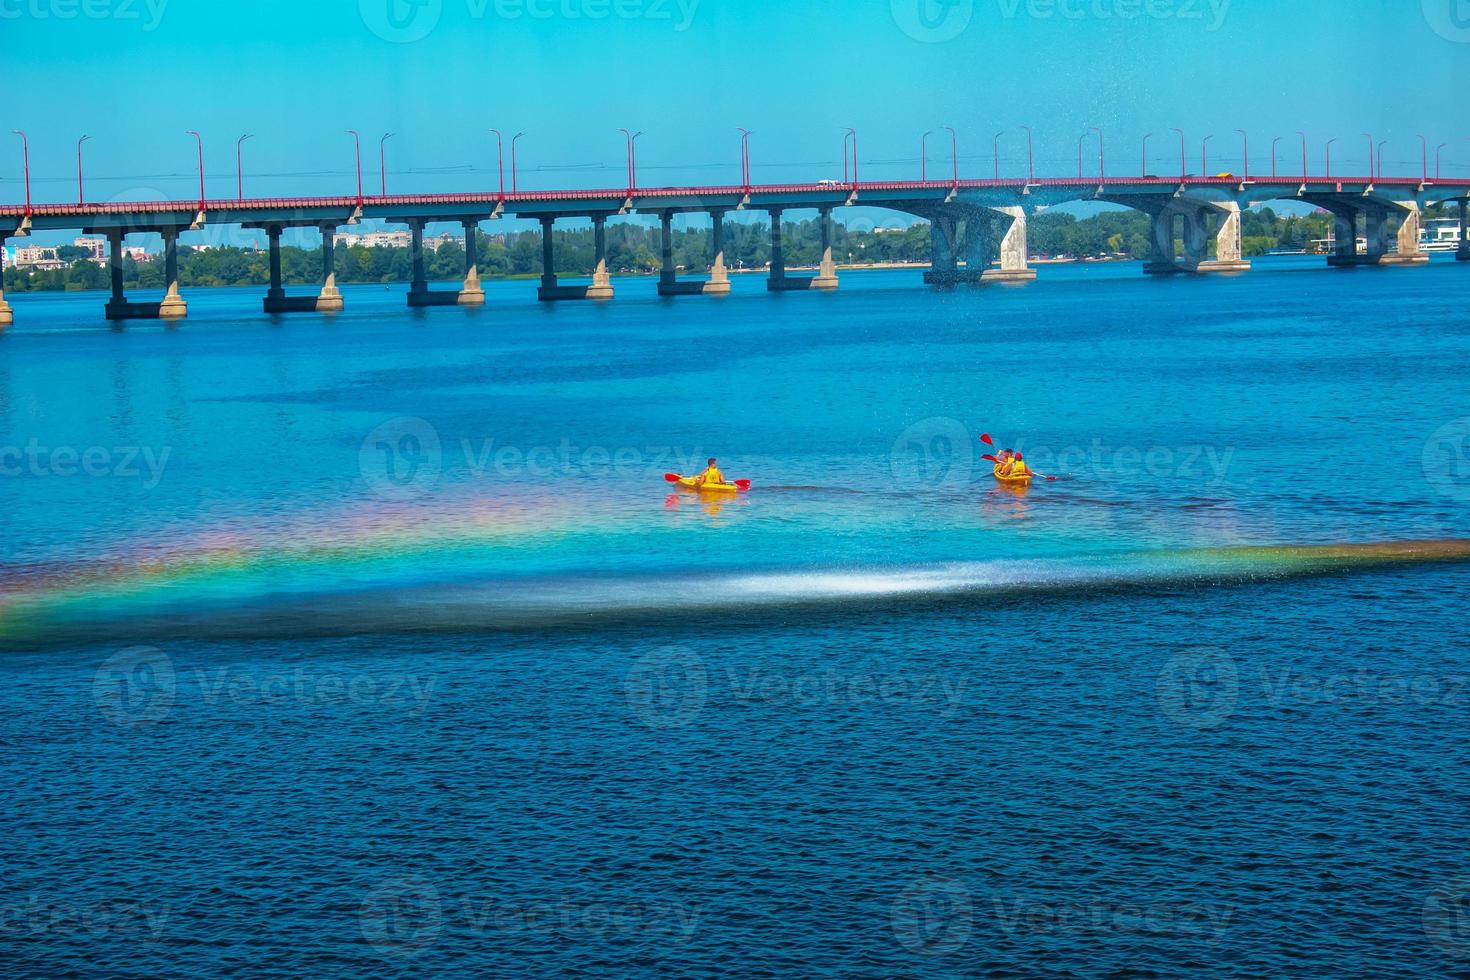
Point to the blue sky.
(135, 74)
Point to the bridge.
(978, 227)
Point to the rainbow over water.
(385, 569)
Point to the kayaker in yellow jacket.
(1018, 466)
(711, 474)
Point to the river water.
(377, 644)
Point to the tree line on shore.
(634, 249)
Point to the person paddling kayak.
(711, 474)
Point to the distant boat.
(1440, 235)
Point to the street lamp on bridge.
(632, 139)
(923, 156)
(25, 146)
(1423, 159)
(240, 167)
(850, 133)
(1304, 153)
(1183, 167)
(81, 195)
(1030, 158)
(1245, 155)
(1204, 151)
(199, 142)
(995, 151)
(954, 157)
(744, 158)
(1143, 166)
(499, 162)
(383, 164)
(1329, 156)
(513, 185)
(1102, 171)
(357, 144)
(1437, 151)
(1381, 145)
(1371, 170)
(1273, 156)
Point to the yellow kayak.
(691, 483)
(1018, 481)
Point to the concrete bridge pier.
(719, 279)
(943, 270)
(1013, 250)
(7, 316)
(826, 277)
(1407, 251)
(779, 281)
(1161, 260)
(1345, 219)
(1462, 253)
(472, 293)
(668, 276)
(329, 300)
(602, 287)
(549, 290)
(1228, 245)
(419, 293)
(118, 307)
(276, 300)
(173, 306)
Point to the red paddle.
(675, 478)
(985, 438)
